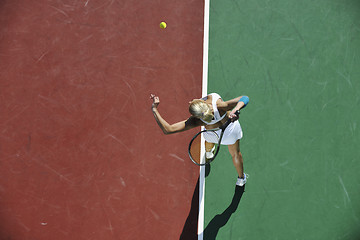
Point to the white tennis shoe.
(241, 181)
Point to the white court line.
(204, 93)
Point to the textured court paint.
(81, 156)
(298, 61)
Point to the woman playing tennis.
(212, 112)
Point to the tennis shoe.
(241, 181)
(209, 155)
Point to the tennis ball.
(163, 25)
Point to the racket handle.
(228, 121)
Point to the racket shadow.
(220, 220)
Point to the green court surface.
(299, 62)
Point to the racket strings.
(211, 136)
(211, 144)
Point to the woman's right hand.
(156, 101)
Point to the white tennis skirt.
(232, 133)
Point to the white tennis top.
(217, 116)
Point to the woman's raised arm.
(167, 128)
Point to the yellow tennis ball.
(163, 25)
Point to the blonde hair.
(200, 109)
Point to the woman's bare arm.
(167, 128)
(234, 105)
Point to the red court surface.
(81, 156)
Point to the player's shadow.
(189, 231)
(190, 227)
(220, 220)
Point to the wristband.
(245, 100)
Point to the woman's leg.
(209, 151)
(209, 146)
(237, 158)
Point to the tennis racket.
(212, 145)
